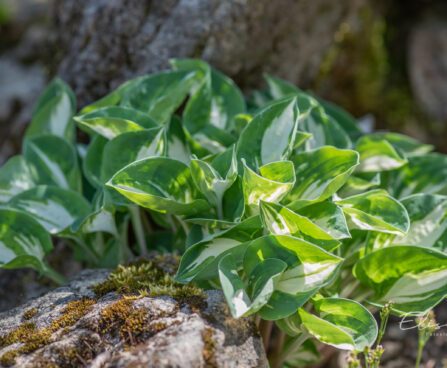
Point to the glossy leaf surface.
(160, 184)
(412, 277)
(54, 208)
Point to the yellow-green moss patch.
(209, 347)
(33, 339)
(148, 277)
(30, 313)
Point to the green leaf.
(428, 221)
(177, 144)
(405, 144)
(273, 182)
(414, 278)
(342, 323)
(53, 161)
(342, 117)
(113, 98)
(325, 131)
(15, 177)
(377, 154)
(101, 220)
(218, 100)
(227, 101)
(269, 137)
(200, 261)
(358, 183)
(306, 354)
(159, 95)
(112, 121)
(54, 111)
(279, 88)
(423, 174)
(93, 162)
(376, 210)
(319, 174)
(24, 243)
(129, 147)
(54, 208)
(244, 301)
(309, 269)
(160, 184)
(329, 217)
(280, 220)
(233, 201)
(200, 116)
(212, 183)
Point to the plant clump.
(280, 200)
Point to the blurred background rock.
(384, 59)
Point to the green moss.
(8, 359)
(32, 340)
(209, 347)
(133, 324)
(148, 277)
(30, 313)
(20, 334)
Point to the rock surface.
(151, 332)
(428, 67)
(108, 42)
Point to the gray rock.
(175, 334)
(109, 41)
(428, 67)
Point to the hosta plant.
(281, 201)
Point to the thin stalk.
(279, 344)
(146, 223)
(183, 224)
(348, 289)
(138, 229)
(219, 207)
(257, 320)
(426, 326)
(418, 359)
(53, 275)
(126, 253)
(384, 315)
(265, 329)
(93, 256)
(171, 221)
(295, 345)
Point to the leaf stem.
(183, 224)
(349, 288)
(138, 229)
(295, 345)
(93, 256)
(279, 344)
(53, 275)
(265, 329)
(126, 253)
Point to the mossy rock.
(133, 316)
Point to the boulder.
(427, 65)
(108, 42)
(80, 325)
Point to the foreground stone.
(74, 327)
